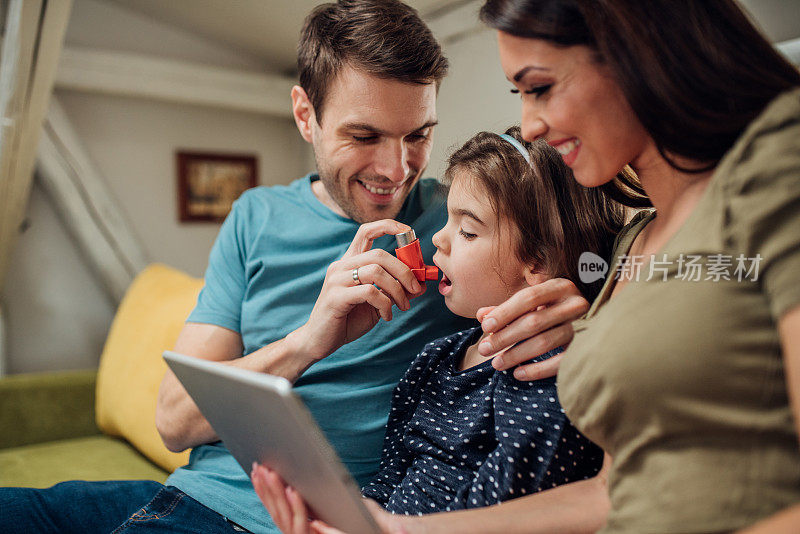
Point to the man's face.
(374, 142)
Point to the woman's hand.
(348, 308)
(284, 504)
(290, 513)
(533, 321)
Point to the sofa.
(99, 424)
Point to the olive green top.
(681, 380)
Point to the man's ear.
(303, 112)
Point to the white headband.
(518, 146)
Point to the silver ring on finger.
(355, 277)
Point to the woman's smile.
(568, 148)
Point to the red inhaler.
(409, 252)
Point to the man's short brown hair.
(385, 38)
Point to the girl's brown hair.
(557, 218)
(695, 73)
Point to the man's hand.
(346, 309)
(534, 320)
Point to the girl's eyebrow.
(467, 213)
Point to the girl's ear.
(533, 276)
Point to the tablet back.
(260, 419)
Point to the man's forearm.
(579, 507)
(285, 357)
(178, 419)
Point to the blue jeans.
(106, 507)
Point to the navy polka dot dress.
(472, 438)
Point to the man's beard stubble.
(349, 207)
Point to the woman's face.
(574, 103)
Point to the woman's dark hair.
(695, 73)
(558, 219)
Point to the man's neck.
(319, 190)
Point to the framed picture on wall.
(208, 183)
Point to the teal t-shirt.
(264, 274)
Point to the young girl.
(461, 434)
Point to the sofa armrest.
(36, 408)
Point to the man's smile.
(383, 189)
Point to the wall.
(56, 315)
(466, 106)
(133, 143)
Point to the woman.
(708, 116)
(691, 385)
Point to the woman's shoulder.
(782, 112)
(759, 208)
(769, 148)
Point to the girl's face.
(476, 252)
(574, 103)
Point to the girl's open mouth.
(445, 285)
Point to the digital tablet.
(260, 419)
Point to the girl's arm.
(788, 520)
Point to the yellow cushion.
(147, 323)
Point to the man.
(291, 283)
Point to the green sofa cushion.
(42, 407)
(89, 458)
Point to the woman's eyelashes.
(466, 235)
(539, 90)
